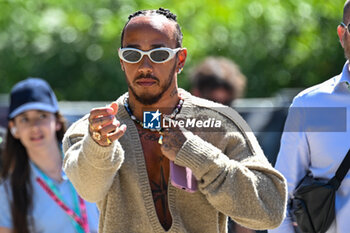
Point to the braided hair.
(169, 15)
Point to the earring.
(179, 71)
(13, 131)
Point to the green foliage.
(73, 44)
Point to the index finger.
(103, 111)
(114, 106)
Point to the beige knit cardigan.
(234, 177)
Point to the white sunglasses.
(158, 55)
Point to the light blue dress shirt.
(316, 138)
(47, 215)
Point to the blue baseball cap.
(32, 94)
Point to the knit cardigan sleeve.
(234, 175)
(90, 167)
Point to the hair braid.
(161, 11)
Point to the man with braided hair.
(175, 178)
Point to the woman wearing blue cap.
(35, 195)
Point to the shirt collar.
(37, 172)
(344, 78)
(345, 75)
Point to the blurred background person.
(218, 79)
(35, 194)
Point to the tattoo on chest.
(148, 136)
(158, 173)
(159, 192)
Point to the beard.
(150, 98)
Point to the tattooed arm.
(232, 173)
(173, 140)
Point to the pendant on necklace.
(160, 140)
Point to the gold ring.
(91, 127)
(109, 141)
(96, 136)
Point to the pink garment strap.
(82, 207)
(83, 222)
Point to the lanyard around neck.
(80, 223)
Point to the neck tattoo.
(161, 129)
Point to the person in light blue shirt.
(35, 194)
(316, 137)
